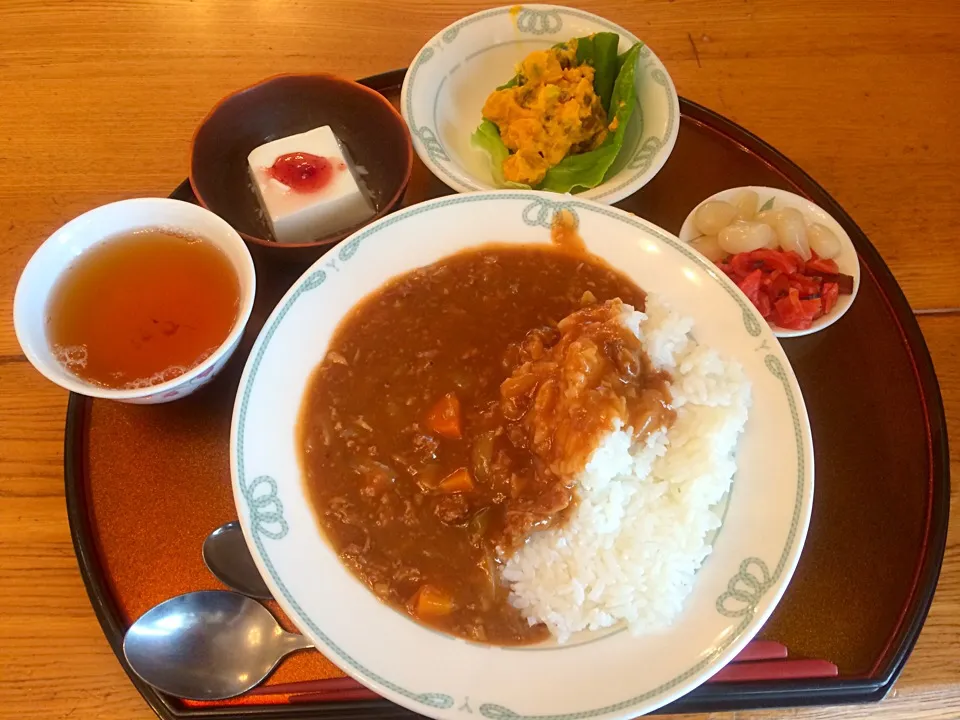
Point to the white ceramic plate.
(452, 75)
(774, 198)
(614, 676)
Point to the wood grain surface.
(98, 101)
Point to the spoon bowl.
(226, 555)
(208, 645)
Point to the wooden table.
(98, 101)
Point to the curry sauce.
(451, 414)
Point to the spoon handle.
(290, 642)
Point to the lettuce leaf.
(586, 170)
(614, 84)
(487, 137)
(600, 51)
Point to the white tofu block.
(301, 217)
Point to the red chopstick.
(328, 685)
(759, 660)
(761, 650)
(776, 670)
(361, 693)
(752, 671)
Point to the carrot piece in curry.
(456, 482)
(431, 602)
(444, 417)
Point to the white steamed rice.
(632, 547)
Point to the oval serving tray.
(871, 559)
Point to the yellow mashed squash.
(551, 113)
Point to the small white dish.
(774, 198)
(608, 675)
(449, 79)
(61, 249)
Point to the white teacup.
(61, 249)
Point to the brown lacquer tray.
(146, 484)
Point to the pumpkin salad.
(559, 123)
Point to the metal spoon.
(226, 555)
(207, 645)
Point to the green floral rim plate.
(618, 675)
(453, 73)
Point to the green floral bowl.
(452, 75)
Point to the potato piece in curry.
(552, 112)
